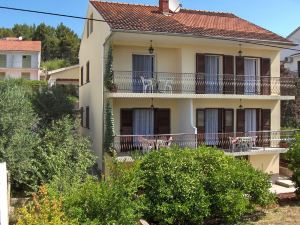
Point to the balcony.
(237, 144)
(201, 84)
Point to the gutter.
(242, 40)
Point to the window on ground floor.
(2, 75)
(25, 76)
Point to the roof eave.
(242, 40)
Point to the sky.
(279, 16)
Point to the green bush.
(293, 155)
(110, 201)
(186, 186)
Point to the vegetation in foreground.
(171, 186)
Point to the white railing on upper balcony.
(191, 83)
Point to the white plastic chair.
(147, 83)
(167, 85)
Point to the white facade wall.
(14, 67)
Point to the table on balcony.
(242, 143)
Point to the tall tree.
(68, 44)
(47, 35)
(6, 32)
(24, 30)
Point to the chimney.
(164, 6)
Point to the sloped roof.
(121, 16)
(19, 45)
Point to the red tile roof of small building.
(19, 45)
(121, 16)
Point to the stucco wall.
(68, 73)
(16, 73)
(267, 163)
(91, 94)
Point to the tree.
(68, 45)
(5, 32)
(293, 155)
(53, 103)
(47, 35)
(23, 30)
(18, 136)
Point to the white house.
(291, 58)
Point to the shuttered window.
(265, 67)
(87, 72)
(3, 61)
(26, 61)
(81, 116)
(240, 74)
(25, 76)
(87, 117)
(298, 68)
(200, 73)
(162, 121)
(228, 74)
(91, 24)
(81, 75)
(2, 75)
(126, 122)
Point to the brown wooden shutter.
(126, 121)
(228, 120)
(266, 119)
(87, 117)
(200, 73)
(265, 66)
(228, 77)
(220, 120)
(266, 127)
(298, 68)
(200, 124)
(240, 121)
(162, 121)
(240, 72)
(88, 72)
(81, 76)
(81, 116)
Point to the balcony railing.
(190, 83)
(229, 142)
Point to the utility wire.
(106, 21)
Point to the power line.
(106, 21)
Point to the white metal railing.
(229, 142)
(191, 83)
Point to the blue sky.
(279, 16)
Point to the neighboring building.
(20, 59)
(64, 76)
(187, 78)
(291, 58)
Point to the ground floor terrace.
(243, 128)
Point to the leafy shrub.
(187, 186)
(44, 210)
(55, 64)
(110, 201)
(293, 155)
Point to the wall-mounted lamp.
(240, 51)
(241, 106)
(151, 49)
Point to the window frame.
(24, 65)
(87, 72)
(4, 60)
(27, 75)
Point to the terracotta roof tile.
(121, 16)
(17, 45)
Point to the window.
(89, 26)
(81, 76)
(3, 61)
(87, 117)
(25, 76)
(2, 75)
(26, 61)
(91, 21)
(87, 72)
(81, 116)
(298, 68)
